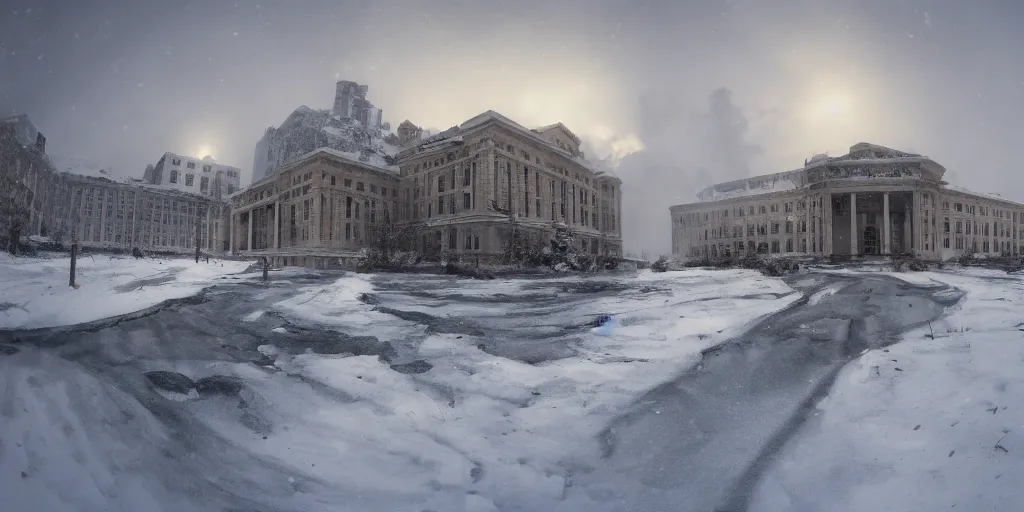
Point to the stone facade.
(200, 176)
(871, 201)
(465, 191)
(318, 211)
(102, 213)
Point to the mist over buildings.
(709, 91)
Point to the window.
(469, 242)
(175, 161)
(384, 191)
(174, 176)
(333, 181)
(440, 206)
(466, 200)
(348, 183)
(348, 231)
(204, 183)
(959, 229)
(360, 186)
(373, 188)
(206, 168)
(789, 227)
(451, 204)
(958, 207)
(476, 242)
(190, 180)
(305, 209)
(191, 165)
(348, 207)
(440, 184)
(452, 238)
(465, 178)
(775, 208)
(775, 228)
(945, 226)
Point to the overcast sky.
(714, 90)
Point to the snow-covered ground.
(926, 424)
(504, 428)
(34, 292)
(518, 388)
(502, 406)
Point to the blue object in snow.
(605, 325)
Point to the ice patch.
(252, 317)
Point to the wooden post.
(74, 256)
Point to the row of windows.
(983, 211)
(206, 168)
(997, 228)
(973, 245)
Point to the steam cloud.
(686, 151)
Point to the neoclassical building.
(99, 212)
(466, 191)
(872, 201)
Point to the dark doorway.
(870, 240)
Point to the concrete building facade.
(318, 211)
(350, 101)
(465, 190)
(200, 176)
(104, 213)
(873, 201)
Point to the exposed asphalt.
(700, 442)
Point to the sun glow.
(204, 151)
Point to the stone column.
(886, 237)
(826, 212)
(853, 223)
(231, 234)
(907, 222)
(277, 218)
(807, 225)
(249, 244)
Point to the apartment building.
(872, 201)
(466, 190)
(200, 176)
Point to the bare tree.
(15, 198)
